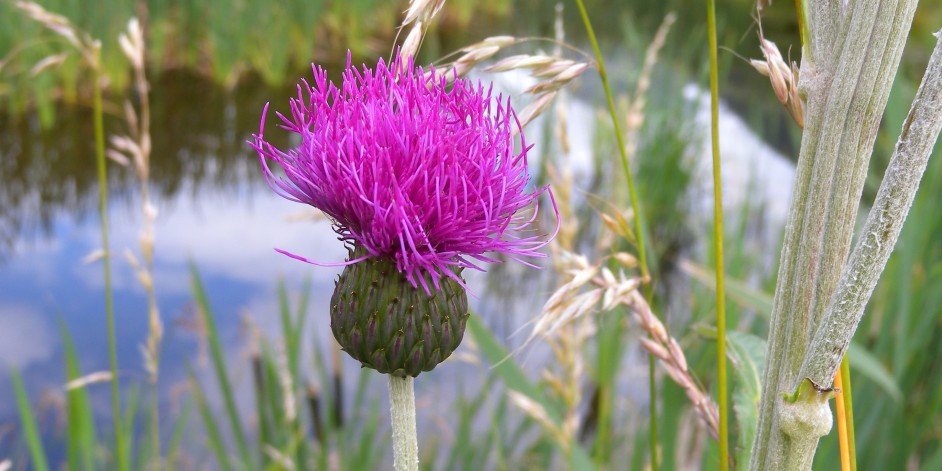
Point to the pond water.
(215, 211)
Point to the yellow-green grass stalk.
(848, 411)
(841, 423)
(636, 209)
(722, 392)
(120, 448)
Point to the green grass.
(326, 415)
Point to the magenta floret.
(410, 168)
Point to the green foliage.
(515, 379)
(748, 354)
(304, 408)
(81, 434)
(220, 367)
(28, 421)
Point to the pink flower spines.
(409, 168)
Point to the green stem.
(848, 410)
(154, 429)
(652, 391)
(718, 241)
(120, 452)
(402, 416)
(636, 208)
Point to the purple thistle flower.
(410, 168)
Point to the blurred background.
(212, 66)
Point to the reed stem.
(722, 392)
(120, 451)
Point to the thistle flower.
(421, 179)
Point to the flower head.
(411, 168)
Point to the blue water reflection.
(215, 212)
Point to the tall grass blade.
(81, 436)
(120, 446)
(219, 367)
(176, 436)
(291, 332)
(514, 377)
(213, 435)
(638, 217)
(28, 420)
(610, 351)
(866, 364)
(262, 409)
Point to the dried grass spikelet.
(635, 110)
(578, 298)
(419, 14)
(556, 72)
(410, 46)
(47, 63)
(564, 324)
(666, 349)
(82, 41)
(277, 456)
(422, 10)
(783, 76)
(133, 150)
(563, 183)
(132, 43)
(91, 378)
(538, 413)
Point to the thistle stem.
(402, 415)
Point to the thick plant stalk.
(883, 226)
(402, 415)
(850, 58)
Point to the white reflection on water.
(26, 338)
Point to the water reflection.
(50, 173)
(215, 211)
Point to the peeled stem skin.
(387, 324)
